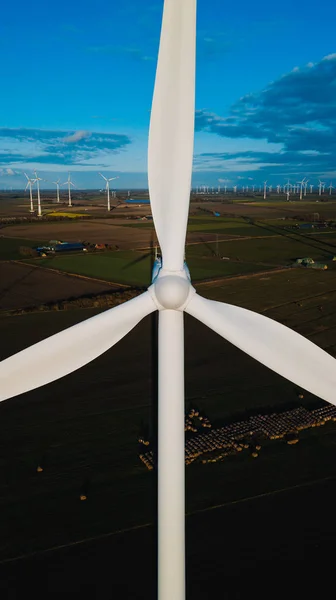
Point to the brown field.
(91, 231)
(99, 231)
(268, 210)
(24, 285)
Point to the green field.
(245, 256)
(9, 247)
(119, 266)
(280, 250)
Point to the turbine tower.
(265, 189)
(69, 183)
(320, 186)
(37, 181)
(30, 183)
(302, 183)
(170, 154)
(331, 187)
(57, 190)
(108, 189)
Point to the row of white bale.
(219, 443)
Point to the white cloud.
(330, 56)
(77, 136)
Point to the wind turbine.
(305, 187)
(170, 154)
(311, 188)
(265, 190)
(321, 184)
(37, 181)
(108, 189)
(69, 183)
(331, 187)
(57, 189)
(302, 182)
(30, 182)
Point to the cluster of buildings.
(215, 445)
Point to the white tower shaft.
(39, 212)
(31, 197)
(108, 196)
(171, 458)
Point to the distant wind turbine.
(331, 187)
(302, 182)
(30, 182)
(69, 183)
(108, 188)
(37, 181)
(265, 189)
(57, 189)
(320, 186)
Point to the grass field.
(118, 267)
(9, 247)
(245, 256)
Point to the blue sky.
(77, 81)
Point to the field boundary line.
(245, 276)
(60, 272)
(150, 524)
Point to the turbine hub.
(172, 291)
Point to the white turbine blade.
(103, 176)
(274, 345)
(171, 135)
(70, 349)
(27, 186)
(26, 176)
(70, 182)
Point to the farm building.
(137, 201)
(61, 247)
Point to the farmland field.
(84, 430)
(24, 285)
(10, 247)
(121, 267)
(245, 517)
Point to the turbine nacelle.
(172, 290)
